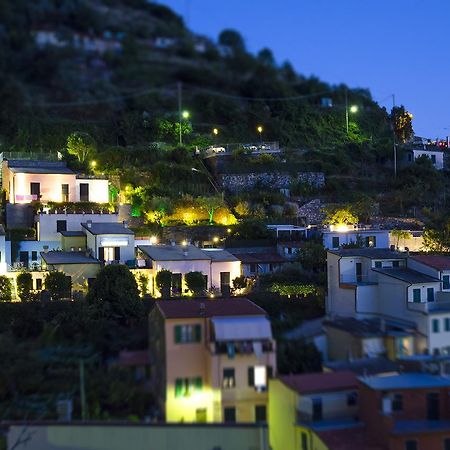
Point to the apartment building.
(215, 358)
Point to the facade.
(50, 181)
(215, 359)
(435, 154)
(109, 242)
(339, 235)
(219, 267)
(365, 283)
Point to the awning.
(241, 328)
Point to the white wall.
(234, 267)
(37, 246)
(98, 189)
(440, 340)
(94, 242)
(347, 237)
(438, 155)
(46, 223)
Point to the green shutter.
(251, 376)
(178, 387)
(197, 333)
(177, 334)
(198, 383)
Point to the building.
(219, 267)
(434, 153)
(300, 406)
(410, 411)
(109, 242)
(368, 283)
(258, 262)
(338, 235)
(214, 360)
(26, 181)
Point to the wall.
(441, 340)
(73, 242)
(413, 243)
(139, 436)
(347, 237)
(30, 246)
(274, 180)
(79, 273)
(234, 267)
(94, 242)
(46, 223)
(342, 345)
(98, 189)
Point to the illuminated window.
(185, 334)
(184, 387)
(229, 380)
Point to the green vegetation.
(163, 281)
(24, 282)
(5, 289)
(195, 282)
(58, 285)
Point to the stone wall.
(274, 180)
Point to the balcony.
(442, 302)
(356, 280)
(240, 347)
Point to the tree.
(402, 124)
(437, 240)
(210, 205)
(294, 290)
(240, 283)
(296, 356)
(58, 285)
(265, 56)
(81, 145)
(5, 289)
(163, 281)
(340, 216)
(195, 282)
(312, 256)
(233, 40)
(160, 209)
(115, 289)
(400, 234)
(24, 283)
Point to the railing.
(356, 279)
(240, 347)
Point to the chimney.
(45, 248)
(125, 224)
(89, 223)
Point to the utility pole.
(346, 109)
(393, 133)
(179, 112)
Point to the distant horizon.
(360, 53)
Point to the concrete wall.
(46, 223)
(352, 236)
(98, 189)
(138, 437)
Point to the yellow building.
(214, 360)
(302, 408)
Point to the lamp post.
(353, 110)
(260, 129)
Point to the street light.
(260, 129)
(353, 110)
(185, 114)
(215, 131)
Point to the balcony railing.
(240, 347)
(358, 280)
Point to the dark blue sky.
(396, 47)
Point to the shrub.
(58, 285)
(24, 286)
(195, 282)
(5, 289)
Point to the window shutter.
(197, 333)
(178, 387)
(251, 376)
(101, 253)
(269, 372)
(198, 384)
(177, 334)
(117, 253)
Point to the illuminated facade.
(214, 360)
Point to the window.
(378, 265)
(65, 192)
(229, 415)
(185, 334)
(61, 225)
(371, 241)
(447, 444)
(304, 438)
(252, 268)
(260, 413)
(33, 256)
(35, 189)
(411, 445)
(109, 253)
(38, 284)
(430, 294)
(447, 325)
(433, 159)
(446, 282)
(435, 325)
(396, 264)
(397, 402)
(184, 387)
(84, 192)
(352, 399)
(416, 296)
(229, 380)
(335, 242)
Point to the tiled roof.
(173, 252)
(406, 381)
(407, 275)
(190, 309)
(56, 257)
(370, 327)
(320, 382)
(106, 228)
(44, 167)
(439, 262)
(372, 253)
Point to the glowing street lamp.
(215, 131)
(353, 109)
(93, 164)
(185, 114)
(260, 129)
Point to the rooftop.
(69, 233)
(371, 253)
(438, 262)
(106, 228)
(44, 167)
(406, 381)
(219, 255)
(56, 257)
(350, 438)
(364, 366)
(407, 275)
(311, 383)
(173, 252)
(260, 258)
(187, 309)
(370, 327)
(420, 426)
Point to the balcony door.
(35, 190)
(84, 192)
(433, 406)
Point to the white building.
(339, 235)
(435, 154)
(368, 283)
(219, 267)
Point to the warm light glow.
(260, 376)
(184, 243)
(340, 227)
(153, 240)
(215, 239)
(93, 164)
(353, 109)
(211, 295)
(185, 114)
(228, 230)
(260, 129)
(215, 131)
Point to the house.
(219, 267)
(50, 181)
(302, 405)
(255, 263)
(409, 411)
(412, 243)
(214, 360)
(81, 268)
(338, 235)
(368, 283)
(109, 242)
(378, 365)
(434, 153)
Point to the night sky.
(396, 47)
